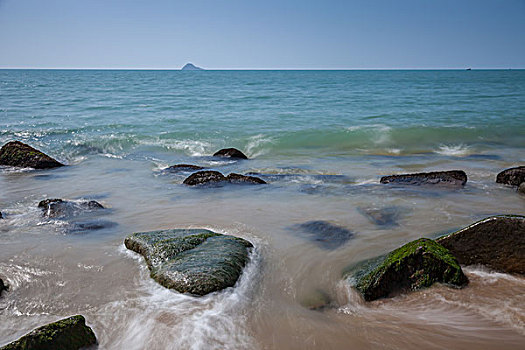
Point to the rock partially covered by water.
(324, 234)
(192, 260)
(3, 286)
(416, 265)
(244, 179)
(230, 153)
(497, 242)
(513, 176)
(68, 334)
(317, 300)
(18, 154)
(60, 208)
(1, 216)
(384, 217)
(184, 168)
(210, 177)
(453, 178)
(521, 189)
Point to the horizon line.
(258, 69)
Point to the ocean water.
(322, 140)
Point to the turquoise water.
(321, 139)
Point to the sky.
(248, 34)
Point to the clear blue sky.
(262, 34)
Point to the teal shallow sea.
(321, 139)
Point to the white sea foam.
(255, 148)
(459, 150)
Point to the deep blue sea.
(321, 139)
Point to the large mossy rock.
(230, 153)
(192, 260)
(513, 176)
(452, 178)
(68, 334)
(18, 154)
(497, 242)
(418, 264)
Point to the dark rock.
(2, 286)
(68, 334)
(1, 216)
(521, 189)
(325, 234)
(453, 178)
(317, 300)
(230, 153)
(513, 176)
(191, 260)
(18, 154)
(60, 208)
(190, 66)
(204, 178)
(240, 179)
(184, 168)
(416, 265)
(497, 242)
(385, 217)
(93, 225)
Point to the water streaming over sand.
(321, 139)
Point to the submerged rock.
(385, 217)
(18, 154)
(497, 242)
(521, 189)
(2, 286)
(317, 300)
(453, 178)
(230, 153)
(60, 208)
(68, 334)
(90, 225)
(204, 178)
(513, 176)
(210, 177)
(324, 234)
(184, 168)
(416, 265)
(240, 179)
(191, 260)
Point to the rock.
(230, 153)
(317, 300)
(324, 234)
(385, 217)
(92, 225)
(191, 261)
(521, 189)
(497, 242)
(448, 178)
(416, 265)
(513, 176)
(2, 286)
(184, 168)
(68, 334)
(240, 179)
(1, 216)
(190, 66)
(18, 154)
(60, 208)
(204, 178)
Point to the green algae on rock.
(67, 334)
(497, 242)
(193, 261)
(416, 265)
(18, 154)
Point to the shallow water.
(323, 139)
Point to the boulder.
(513, 176)
(230, 153)
(384, 217)
(191, 261)
(18, 154)
(68, 334)
(324, 234)
(184, 168)
(497, 242)
(1, 216)
(521, 189)
(2, 286)
(206, 177)
(416, 265)
(244, 179)
(454, 178)
(60, 208)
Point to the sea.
(321, 139)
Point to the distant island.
(190, 66)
